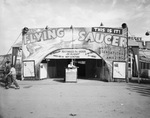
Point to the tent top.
(144, 55)
(19, 44)
(132, 43)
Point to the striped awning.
(144, 56)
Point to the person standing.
(8, 80)
(13, 75)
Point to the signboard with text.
(73, 54)
(107, 43)
(107, 30)
(135, 38)
(38, 43)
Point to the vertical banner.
(136, 56)
(14, 55)
(137, 64)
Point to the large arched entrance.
(89, 63)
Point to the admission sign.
(73, 54)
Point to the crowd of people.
(10, 76)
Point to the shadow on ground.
(62, 80)
(143, 81)
(59, 80)
(143, 88)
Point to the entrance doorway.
(89, 64)
(87, 68)
(81, 71)
(56, 67)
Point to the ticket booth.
(71, 73)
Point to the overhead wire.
(11, 47)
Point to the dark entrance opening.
(87, 68)
(90, 68)
(81, 64)
(56, 67)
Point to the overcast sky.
(17, 14)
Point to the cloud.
(16, 14)
(114, 3)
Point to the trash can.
(71, 74)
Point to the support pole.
(125, 27)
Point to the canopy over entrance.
(71, 53)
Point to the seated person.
(71, 65)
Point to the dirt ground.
(84, 99)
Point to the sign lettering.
(135, 38)
(97, 35)
(73, 53)
(107, 30)
(43, 36)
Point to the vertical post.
(127, 80)
(124, 26)
(24, 32)
(71, 35)
(72, 46)
(139, 79)
(131, 64)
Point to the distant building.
(144, 58)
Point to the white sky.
(17, 14)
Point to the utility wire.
(130, 33)
(11, 47)
(14, 42)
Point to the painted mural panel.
(28, 68)
(119, 70)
